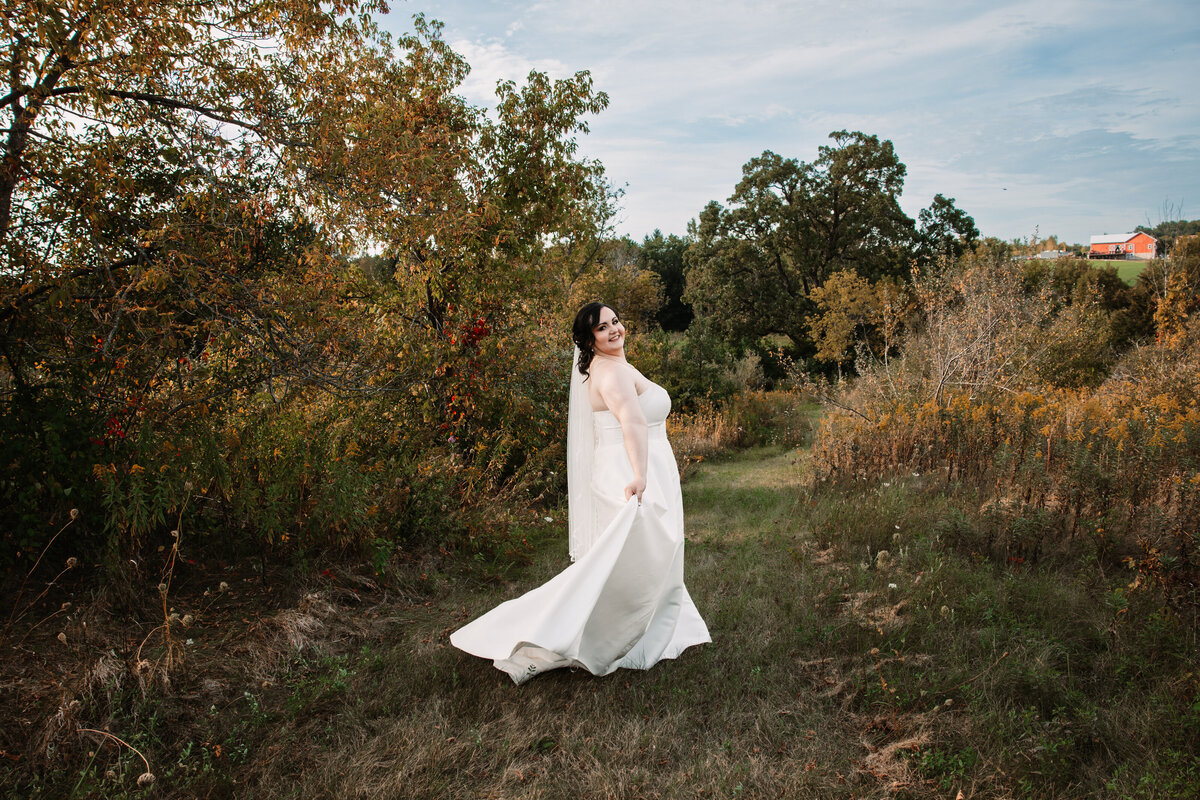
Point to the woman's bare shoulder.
(606, 371)
(611, 373)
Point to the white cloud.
(492, 62)
(1023, 110)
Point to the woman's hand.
(617, 388)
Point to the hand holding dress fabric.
(616, 387)
(623, 602)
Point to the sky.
(1040, 117)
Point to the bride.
(622, 603)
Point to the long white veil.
(581, 443)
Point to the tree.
(182, 187)
(665, 255)
(165, 176)
(946, 231)
(635, 292)
(1168, 231)
(851, 312)
(790, 226)
(1177, 292)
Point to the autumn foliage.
(190, 332)
(1070, 431)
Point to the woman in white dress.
(622, 603)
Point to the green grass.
(834, 671)
(831, 673)
(1129, 271)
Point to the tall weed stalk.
(996, 386)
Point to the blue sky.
(1067, 117)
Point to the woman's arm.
(617, 389)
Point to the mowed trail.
(746, 496)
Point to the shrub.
(1000, 387)
(747, 419)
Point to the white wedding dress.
(623, 602)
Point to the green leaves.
(947, 231)
(793, 224)
(185, 186)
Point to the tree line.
(265, 275)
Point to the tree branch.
(27, 298)
(170, 102)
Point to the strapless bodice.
(656, 405)
(622, 603)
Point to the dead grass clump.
(106, 675)
(823, 558)
(56, 734)
(747, 419)
(862, 609)
(317, 625)
(74, 685)
(891, 764)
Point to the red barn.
(1124, 245)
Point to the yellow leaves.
(1172, 309)
(844, 302)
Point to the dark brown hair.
(586, 318)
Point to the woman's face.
(609, 334)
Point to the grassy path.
(836, 670)
(766, 711)
(754, 494)
(861, 648)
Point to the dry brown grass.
(702, 434)
(833, 673)
(752, 418)
(1111, 471)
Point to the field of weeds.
(859, 650)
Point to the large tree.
(791, 225)
(946, 231)
(181, 148)
(1168, 231)
(183, 183)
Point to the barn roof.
(1116, 238)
